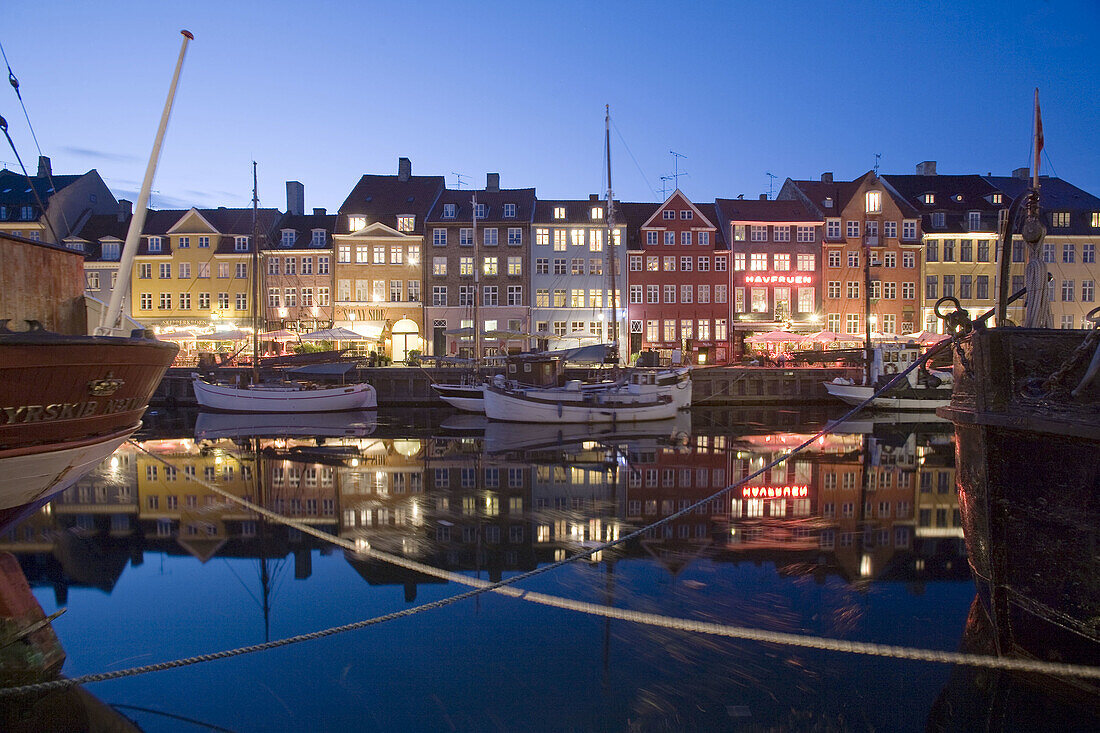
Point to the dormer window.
(355, 223)
(668, 214)
(596, 213)
(155, 244)
(974, 220)
(448, 211)
(406, 223)
(111, 251)
(828, 202)
(240, 244)
(958, 198)
(1059, 219)
(75, 245)
(509, 211)
(482, 210)
(26, 213)
(318, 239)
(559, 212)
(287, 238)
(928, 199)
(874, 202)
(938, 219)
(998, 198)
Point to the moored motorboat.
(571, 404)
(922, 389)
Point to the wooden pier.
(399, 386)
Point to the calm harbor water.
(857, 538)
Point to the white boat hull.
(26, 476)
(283, 399)
(855, 394)
(575, 408)
(465, 397)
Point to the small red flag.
(1038, 127)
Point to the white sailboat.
(284, 396)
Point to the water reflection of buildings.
(868, 506)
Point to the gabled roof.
(523, 198)
(227, 224)
(815, 193)
(384, 198)
(303, 225)
(680, 194)
(955, 196)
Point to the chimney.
(320, 212)
(295, 198)
(1024, 173)
(926, 168)
(492, 182)
(44, 168)
(404, 169)
(763, 197)
(593, 197)
(827, 177)
(125, 210)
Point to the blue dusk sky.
(323, 92)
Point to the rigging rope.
(479, 586)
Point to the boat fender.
(559, 409)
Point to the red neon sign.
(779, 279)
(774, 492)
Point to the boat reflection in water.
(859, 537)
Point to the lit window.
(406, 223)
(874, 202)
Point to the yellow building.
(194, 268)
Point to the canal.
(857, 538)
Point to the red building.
(678, 283)
(776, 272)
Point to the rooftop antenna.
(878, 157)
(458, 178)
(664, 186)
(676, 167)
(771, 184)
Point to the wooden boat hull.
(599, 407)
(855, 394)
(224, 398)
(1028, 477)
(70, 389)
(465, 397)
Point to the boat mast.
(868, 353)
(109, 323)
(255, 282)
(612, 256)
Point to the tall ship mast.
(612, 258)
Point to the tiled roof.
(636, 214)
(523, 198)
(1055, 194)
(303, 226)
(730, 210)
(384, 198)
(577, 211)
(97, 227)
(16, 191)
(230, 223)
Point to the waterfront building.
(959, 220)
(194, 268)
(101, 238)
(499, 257)
(776, 270)
(297, 267)
(865, 223)
(571, 273)
(1072, 220)
(678, 282)
(68, 200)
(379, 245)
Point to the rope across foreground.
(505, 587)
